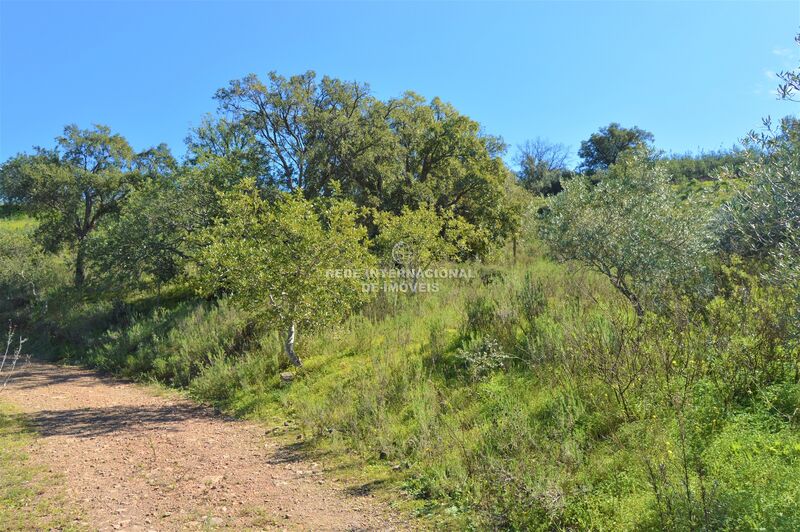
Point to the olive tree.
(762, 220)
(632, 228)
(278, 259)
(765, 214)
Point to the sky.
(698, 75)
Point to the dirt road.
(133, 460)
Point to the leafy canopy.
(602, 149)
(632, 227)
(304, 133)
(276, 258)
(71, 188)
(151, 239)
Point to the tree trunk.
(620, 285)
(80, 259)
(293, 358)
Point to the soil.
(132, 459)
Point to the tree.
(16, 180)
(227, 152)
(27, 273)
(156, 163)
(632, 228)
(416, 239)
(603, 148)
(151, 239)
(311, 133)
(763, 219)
(542, 165)
(279, 259)
(73, 187)
(447, 162)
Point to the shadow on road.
(32, 376)
(92, 422)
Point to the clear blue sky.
(698, 75)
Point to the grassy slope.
(387, 398)
(528, 447)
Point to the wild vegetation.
(614, 346)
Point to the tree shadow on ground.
(93, 422)
(30, 376)
(364, 490)
(290, 453)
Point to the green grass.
(528, 447)
(30, 496)
(389, 401)
(13, 220)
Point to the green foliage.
(706, 166)
(74, 187)
(752, 458)
(763, 219)
(543, 445)
(172, 345)
(418, 239)
(301, 133)
(151, 239)
(529, 397)
(226, 152)
(279, 259)
(633, 228)
(604, 148)
(756, 335)
(28, 276)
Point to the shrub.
(482, 357)
(530, 298)
(480, 314)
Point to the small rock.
(287, 376)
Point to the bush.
(480, 314)
(482, 357)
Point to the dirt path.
(132, 460)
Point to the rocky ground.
(135, 460)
